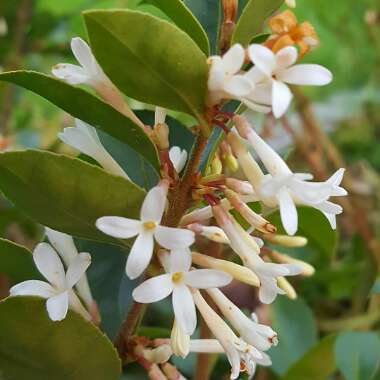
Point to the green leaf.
(16, 262)
(297, 332)
(180, 14)
(65, 193)
(317, 364)
(358, 355)
(149, 59)
(312, 224)
(32, 347)
(252, 19)
(87, 107)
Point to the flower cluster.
(258, 77)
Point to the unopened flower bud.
(237, 271)
(286, 286)
(212, 233)
(180, 341)
(231, 162)
(216, 165)
(291, 3)
(230, 8)
(161, 136)
(240, 187)
(306, 268)
(158, 355)
(286, 241)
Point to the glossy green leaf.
(297, 333)
(149, 59)
(16, 262)
(316, 364)
(358, 355)
(65, 193)
(312, 224)
(87, 107)
(32, 347)
(252, 19)
(178, 12)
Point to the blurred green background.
(332, 330)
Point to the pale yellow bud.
(231, 162)
(216, 165)
(237, 271)
(287, 241)
(158, 355)
(180, 341)
(291, 3)
(287, 287)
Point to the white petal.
(50, 265)
(313, 75)
(159, 115)
(286, 57)
(180, 260)
(82, 53)
(77, 268)
(71, 74)
(281, 98)
(57, 306)
(173, 238)
(184, 309)
(154, 203)
(119, 227)
(178, 157)
(256, 76)
(238, 86)
(329, 207)
(63, 243)
(233, 59)
(216, 75)
(332, 220)
(154, 289)
(32, 288)
(288, 212)
(207, 278)
(140, 255)
(263, 58)
(268, 290)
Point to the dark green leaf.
(297, 333)
(87, 107)
(65, 193)
(149, 59)
(252, 19)
(32, 347)
(178, 12)
(316, 364)
(358, 355)
(16, 262)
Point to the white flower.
(178, 282)
(178, 157)
(148, 229)
(84, 138)
(248, 250)
(65, 247)
(58, 290)
(224, 80)
(284, 188)
(237, 350)
(273, 71)
(89, 72)
(257, 335)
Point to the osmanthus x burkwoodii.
(160, 56)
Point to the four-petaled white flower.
(273, 71)
(240, 354)
(148, 229)
(177, 281)
(178, 157)
(225, 80)
(284, 188)
(84, 138)
(59, 288)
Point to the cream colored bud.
(291, 3)
(307, 269)
(240, 187)
(231, 162)
(287, 241)
(216, 165)
(212, 233)
(287, 287)
(161, 136)
(180, 341)
(158, 355)
(237, 271)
